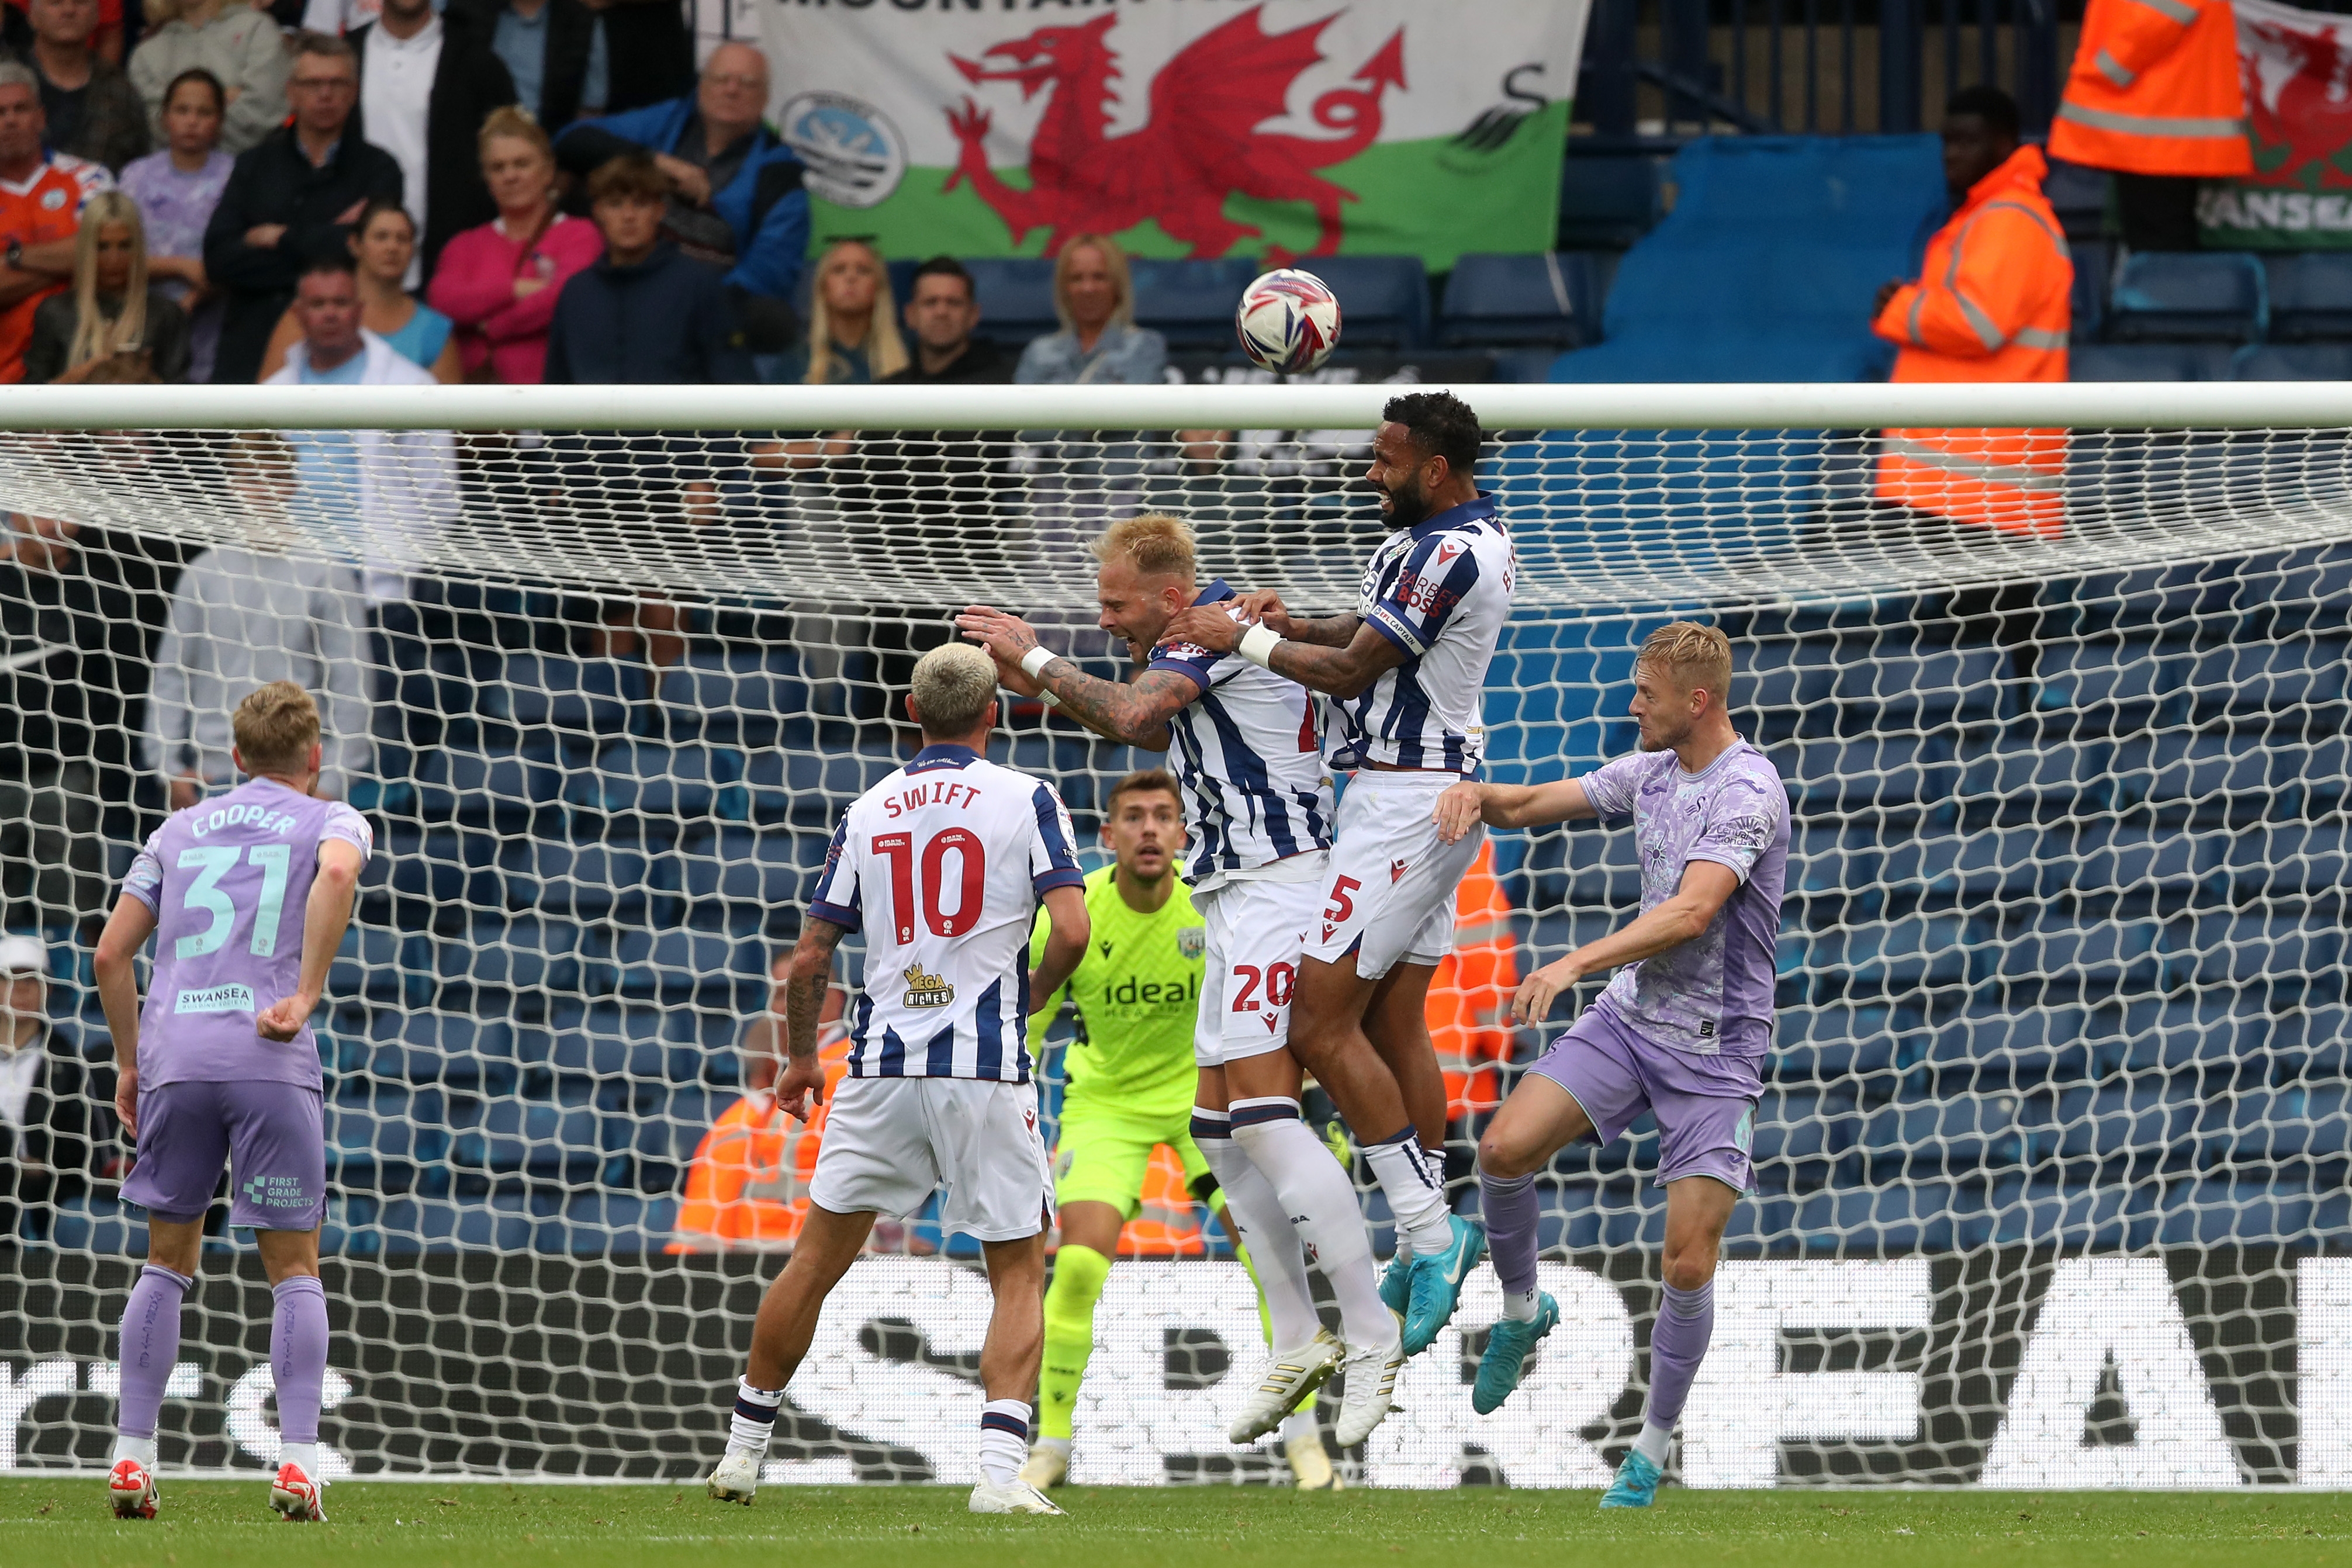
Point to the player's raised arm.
(1134, 714)
(1342, 669)
(1509, 806)
(1066, 943)
(325, 913)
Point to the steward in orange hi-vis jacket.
(1470, 994)
(1991, 304)
(2155, 89)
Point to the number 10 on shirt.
(899, 849)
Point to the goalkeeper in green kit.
(1130, 1089)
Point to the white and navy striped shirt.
(1255, 790)
(1441, 592)
(942, 864)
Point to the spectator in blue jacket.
(735, 199)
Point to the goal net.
(2051, 1160)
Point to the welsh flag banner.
(2297, 67)
(1185, 127)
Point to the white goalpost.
(2053, 1158)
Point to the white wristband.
(1258, 644)
(1036, 659)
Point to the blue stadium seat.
(378, 1143)
(413, 876)
(2010, 1046)
(1948, 1137)
(2310, 858)
(2188, 297)
(583, 882)
(744, 880)
(1973, 865)
(1803, 1136)
(2294, 1128)
(1582, 866)
(1608, 201)
(2299, 672)
(2105, 859)
(2293, 363)
(495, 962)
(678, 964)
(2205, 774)
(810, 789)
(2311, 297)
(734, 698)
(1785, 680)
(1841, 1040)
(2311, 1043)
(2143, 1126)
(1383, 299)
(100, 1225)
(2087, 300)
(446, 1049)
(2079, 196)
(1504, 301)
(1016, 298)
(631, 1042)
(372, 963)
(1921, 689)
(429, 1225)
(1901, 954)
(609, 1224)
(648, 780)
(506, 1135)
(2097, 955)
(1878, 770)
(576, 698)
(2222, 948)
(2214, 1211)
(1192, 303)
(2150, 362)
(1830, 857)
(2040, 1212)
(2023, 772)
(501, 791)
(2114, 678)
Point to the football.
(1288, 321)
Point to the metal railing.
(1675, 68)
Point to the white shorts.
(1253, 932)
(890, 1143)
(1388, 893)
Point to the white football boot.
(1019, 1498)
(1291, 1378)
(1048, 1464)
(736, 1477)
(299, 1498)
(132, 1485)
(1310, 1466)
(1372, 1373)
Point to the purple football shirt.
(228, 880)
(1712, 995)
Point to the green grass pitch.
(407, 1525)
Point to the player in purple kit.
(247, 894)
(1681, 1030)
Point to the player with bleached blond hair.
(1245, 744)
(942, 864)
(1681, 1032)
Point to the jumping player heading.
(1681, 1030)
(221, 1066)
(942, 864)
(1409, 669)
(1243, 743)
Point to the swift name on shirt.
(940, 792)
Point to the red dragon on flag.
(1202, 144)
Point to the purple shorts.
(270, 1135)
(1706, 1105)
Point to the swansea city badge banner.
(1185, 127)
(2296, 66)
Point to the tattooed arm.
(1341, 657)
(802, 1081)
(1135, 712)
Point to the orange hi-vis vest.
(747, 1186)
(1992, 304)
(2155, 89)
(1167, 1223)
(1470, 994)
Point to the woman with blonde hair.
(852, 328)
(1099, 342)
(111, 309)
(500, 282)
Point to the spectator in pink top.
(500, 282)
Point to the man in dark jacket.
(735, 189)
(559, 52)
(290, 199)
(57, 1125)
(94, 113)
(426, 83)
(644, 315)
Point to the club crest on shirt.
(926, 990)
(1191, 942)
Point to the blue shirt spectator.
(559, 55)
(736, 199)
(1100, 343)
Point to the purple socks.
(1509, 1208)
(148, 1345)
(1677, 1344)
(298, 1357)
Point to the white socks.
(1003, 1439)
(305, 1455)
(1321, 1205)
(1655, 1444)
(1520, 1304)
(1274, 1248)
(140, 1449)
(1416, 1194)
(755, 1419)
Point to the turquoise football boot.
(1636, 1485)
(1507, 1345)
